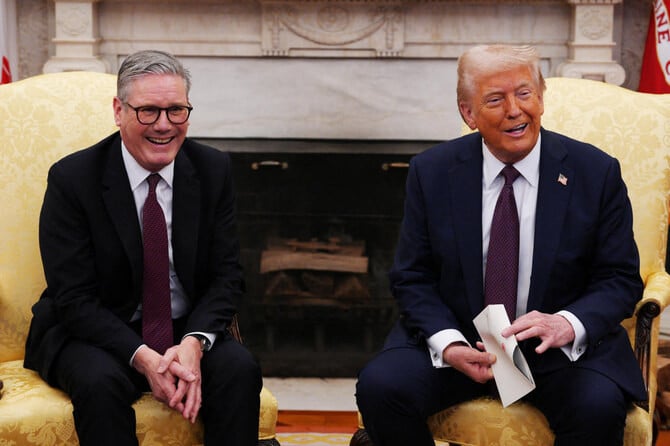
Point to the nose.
(513, 109)
(162, 122)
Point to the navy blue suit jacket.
(585, 259)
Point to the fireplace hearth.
(307, 312)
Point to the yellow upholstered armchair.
(635, 128)
(42, 119)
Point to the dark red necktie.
(502, 261)
(156, 306)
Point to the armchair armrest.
(655, 299)
(4, 282)
(656, 289)
(19, 287)
(234, 329)
(4, 279)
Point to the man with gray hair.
(141, 258)
(523, 217)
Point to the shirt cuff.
(441, 340)
(132, 358)
(211, 337)
(577, 348)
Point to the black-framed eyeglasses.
(148, 114)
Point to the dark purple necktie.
(156, 306)
(502, 262)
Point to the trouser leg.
(583, 407)
(400, 388)
(231, 395)
(102, 391)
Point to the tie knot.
(153, 180)
(510, 174)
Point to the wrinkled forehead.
(156, 87)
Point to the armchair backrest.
(42, 119)
(634, 128)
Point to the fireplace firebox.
(318, 232)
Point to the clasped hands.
(174, 377)
(553, 330)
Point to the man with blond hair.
(559, 255)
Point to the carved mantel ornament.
(331, 69)
(332, 29)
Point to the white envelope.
(510, 371)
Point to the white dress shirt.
(137, 176)
(525, 194)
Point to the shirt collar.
(528, 167)
(137, 174)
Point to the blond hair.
(485, 60)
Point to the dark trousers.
(400, 388)
(103, 389)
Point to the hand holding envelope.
(511, 372)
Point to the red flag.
(655, 71)
(6, 72)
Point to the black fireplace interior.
(316, 198)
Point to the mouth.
(517, 130)
(160, 141)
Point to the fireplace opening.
(318, 234)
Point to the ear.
(117, 105)
(466, 113)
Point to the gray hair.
(485, 60)
(147, 62)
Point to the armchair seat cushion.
(520, 424)
(36, 414)
(484, 421)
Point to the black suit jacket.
(90, 241)
(585, 259)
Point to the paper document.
(510, 371)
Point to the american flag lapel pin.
(562, 179)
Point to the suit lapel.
(120, 204)
(556, 179)
(185, 219)
(465, 185)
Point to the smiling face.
(506, 107)
(156, 145)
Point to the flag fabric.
(5, 42)
(655, 71)
(6, 71)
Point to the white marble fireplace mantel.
(331, 69)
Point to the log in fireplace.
(318, 232)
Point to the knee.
(605, 413)
(103, 387)
(376, 389)
(234, 366)
(592, 420)
(246, 369)
(370, 384)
